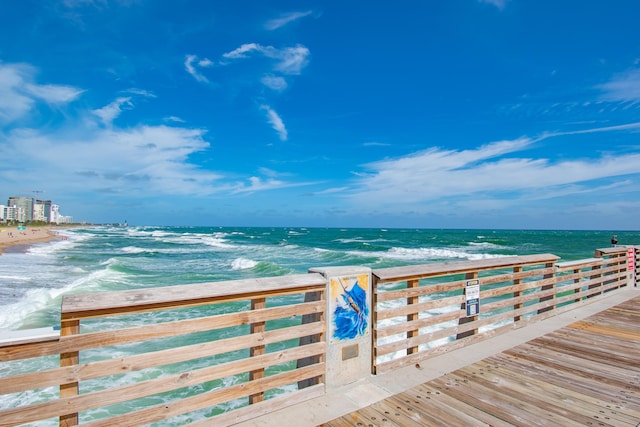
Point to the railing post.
(412, 316)
(348, 324)
(311, 360)
(637, 265)
(517, 282)
(257, 328)
(546, 288)
(69, 327)
(577, 280)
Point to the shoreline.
(21, 240)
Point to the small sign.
(472, 297)
(631, 259)
(350, 352)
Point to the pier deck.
(579, 368)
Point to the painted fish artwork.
(351, 313)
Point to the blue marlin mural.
(351, 313)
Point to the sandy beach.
(11, 236)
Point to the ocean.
(97, 259)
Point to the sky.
(413, 113)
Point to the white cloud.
(276, 83)
(190, 63)
(19, 93)
(259, 184)
(276, 122)
(623, 87)
(140, 161)
(52, 94)
(110, 112)
(439, 177)
(241, 51)
(289, 60)
(174, 119)
(285, 19)
(141, 92)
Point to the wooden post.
(257, 328)
(311, 360)
(596, 273)
(374, 324)
(517, 282)
(464, 320)
(69, 327)
(636, 273)
(412, 316)
(546, 288)
(577, 280)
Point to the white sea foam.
(13, 315)
(243, 264)
(10, 277)
(361, 240)
(424, 254)
(135, 250)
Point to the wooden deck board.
(586, 373)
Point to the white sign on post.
(472, 297)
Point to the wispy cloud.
(141, 92)
(276, 83)
(285, 19)
(267, 184)
(438, 177)
(110, 112)
(289, 60)
(623, 87)
(142, 160)
(192, 64)
(275, 121)
(19, 93)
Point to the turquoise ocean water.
(114, 258)
(97, 259)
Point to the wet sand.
(11, 236)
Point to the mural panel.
(349, 307)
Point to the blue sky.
(434, 114)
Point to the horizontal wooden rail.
(420, 311)
(192, 366)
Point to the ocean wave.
(34, 300)
(436, 253)
(243, 264)
(361, 240)
(423, 254)
(136, 250)
(10, 277)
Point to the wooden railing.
(240, 354)
(186, 354)
(421, 311)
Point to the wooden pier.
(584, 374)
(523, 340)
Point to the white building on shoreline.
(27, 209)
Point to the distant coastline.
(11, 237)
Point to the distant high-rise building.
(42, 210)
(7, 213)
(24, 208)
(55, 214)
